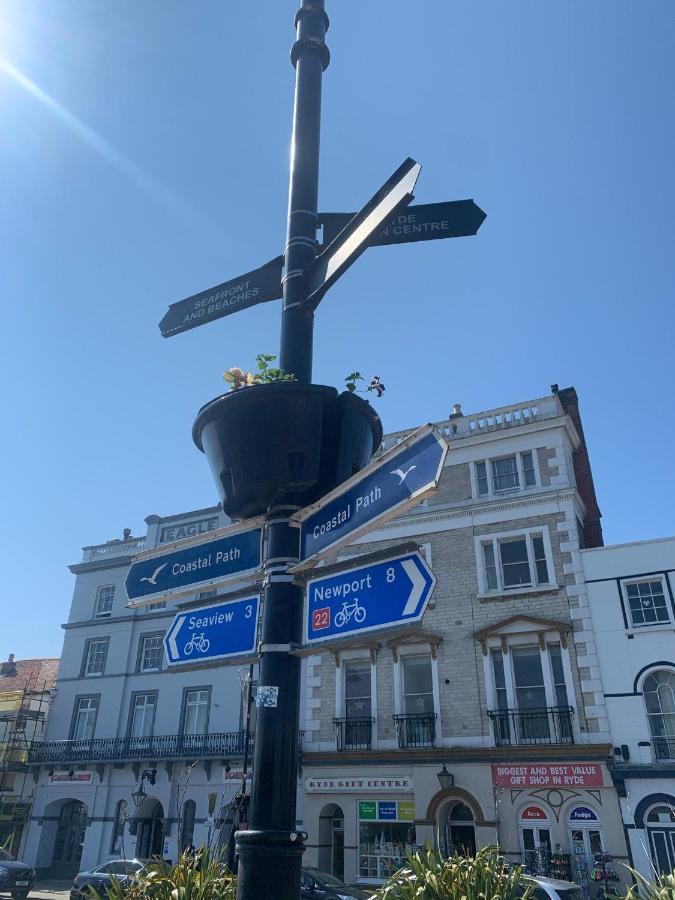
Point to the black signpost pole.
(270, 851)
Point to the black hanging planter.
(270, 441)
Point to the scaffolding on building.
(22, 719)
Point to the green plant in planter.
(266, 374)
(662, 888)
(351, 382)
(428, 876)
(196, 876)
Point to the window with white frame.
(151, 652)
(196, 711)
(418, 694)
(505, 473)
(105, 594)
(647, 602)
(658, 691)
(142, 717)
(84, 719)
(508, 562)
(95, 655)
(530, 694)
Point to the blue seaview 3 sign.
(213, 632)
(396, 480)
(384, 594)
(229, 554)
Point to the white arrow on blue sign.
(381, 595)
(395, 481)
(228, 554)
(213, 632)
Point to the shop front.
(562, 820)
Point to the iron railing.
(543, 725)
(164, 746)
(416, 729)
(353, 733)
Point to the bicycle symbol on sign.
(197, 642)
(348, 612)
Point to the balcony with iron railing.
(354, 733)
(164, 746)
(415, 729)
(543, 725)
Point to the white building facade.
(118, 713)
(630, 589)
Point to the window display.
(386, 836)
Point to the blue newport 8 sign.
(395, 481)
(213, 632)
(229, 554)
(369, 598)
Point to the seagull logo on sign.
(153, 577)
(401, 474)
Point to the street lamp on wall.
(445, 779)
(139, 795)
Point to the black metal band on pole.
(270, 851)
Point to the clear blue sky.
(144, 156)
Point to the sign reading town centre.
(396, 480)
(228, 554)
(213, 632)
(390, 592)
(422, 222)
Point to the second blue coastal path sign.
(213, 632)
(395, 481)
(231, 554)
(383, 594)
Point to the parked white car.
(555, 889)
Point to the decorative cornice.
(443, 514)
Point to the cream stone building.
(486, 722)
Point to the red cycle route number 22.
(321, 618)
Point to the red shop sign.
(533, 812)
(555, 775)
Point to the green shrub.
(200, 876)
(662, 888)
(429, 876)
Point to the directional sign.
(254, 287)
(396, 480)
(228, 554)
(422, 222)
(350, 243)
(392, 592)
(213, 632)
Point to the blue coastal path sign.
(227, 554)
(395, 481)
(391, 592)
(213, 632)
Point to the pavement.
(51, 890)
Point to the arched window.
(660, 823)
(659, 693)
(117, 842)
(187, 830)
